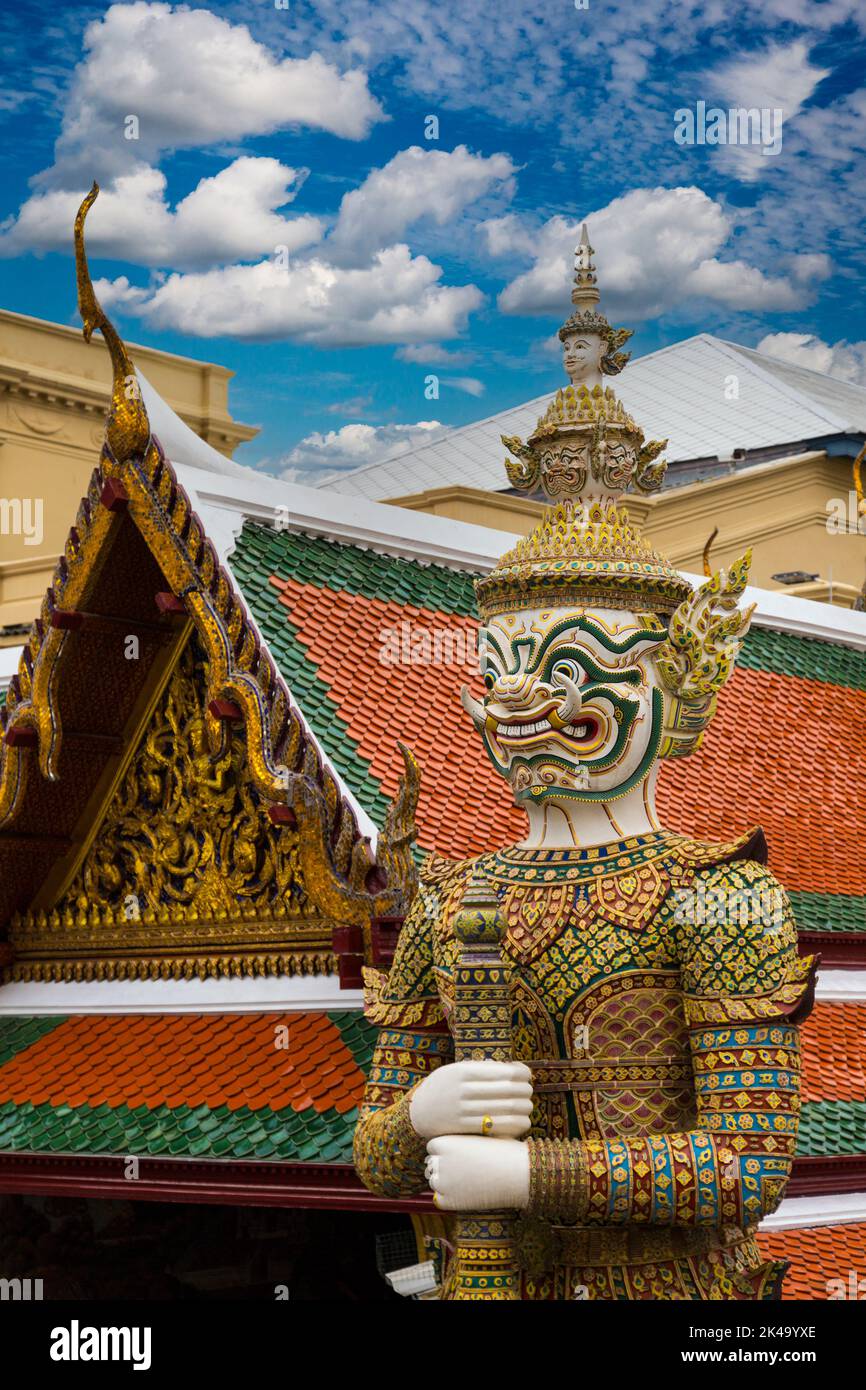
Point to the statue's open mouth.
(584, 731)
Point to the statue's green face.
(572, 706)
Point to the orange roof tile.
(833, 1040)
(736, 779)
(419, 704)
(819, 1255)
(144, 1060)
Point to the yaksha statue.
(588, 1041)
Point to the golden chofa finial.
(127, 429)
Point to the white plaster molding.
(9, 659)
(797, 1212)
(179, 441)
(280, 994)
(841, 987)
(376, 525)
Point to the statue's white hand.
(481, 1098)
(471, 1174)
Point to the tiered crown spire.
(585, 290)
(585, 452)
(586, 319)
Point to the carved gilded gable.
(186, 876)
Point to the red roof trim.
(222, 1183)
(256, 1184)
(837, 949)
(825, 1177)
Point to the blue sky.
(282, 211)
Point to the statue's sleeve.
(413, 1040)
(745, 991)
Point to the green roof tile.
(261, 551)
(790, 655)
(830, 1127)
(842, 912)
(827, 1127)
(18, 1033)
(358, 1035)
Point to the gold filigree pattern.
(338, 868)
(704, 640)
(582, 553)
(185, 865)
(185, 827)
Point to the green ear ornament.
(704, 640)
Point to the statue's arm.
(389, 1155)
(413, 1041)
(745, 993)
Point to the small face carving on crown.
(573, 708)
(582, 356)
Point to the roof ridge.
(799, 367)
(736, 351)
(454, 433)
(428, 444)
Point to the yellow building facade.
(54, 393)
(797, 514)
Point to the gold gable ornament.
(245, 860)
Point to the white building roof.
(683, 393)
(179, 442)
(224, 504)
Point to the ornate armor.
(657, 989)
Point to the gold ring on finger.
(486, 1125)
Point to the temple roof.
(319, 612)
(216, 1086)
(677, 393)
(185, 1086)
(818, 1254)
(210, 1088)
(324, 607)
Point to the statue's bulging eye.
(570, 670)
(489, 678)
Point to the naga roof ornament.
(272, 827)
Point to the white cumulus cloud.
(844, 360)
(396, 299)
(230, 216)
(318, 454)
(415, 184)
(192, 79)
(656, 249)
